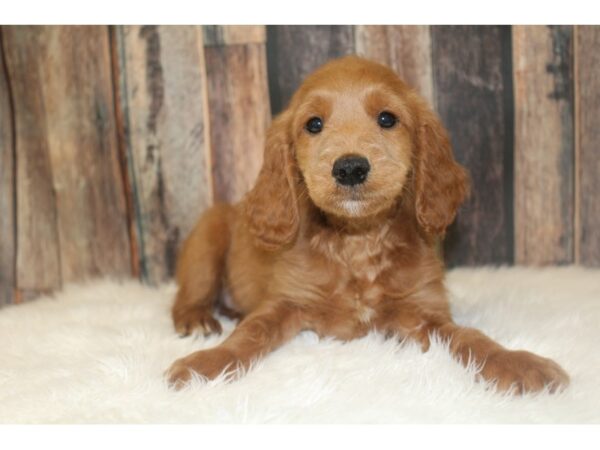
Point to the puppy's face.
(360, 139)
(353, 127)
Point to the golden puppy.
(337, 235)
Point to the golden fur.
(303, 252)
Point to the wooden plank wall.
(163, 121)
(238, 92)
(473, 92)
(71, 215)
(544, 144)
(587, 160)
(113, 140)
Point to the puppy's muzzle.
(351, 170)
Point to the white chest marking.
(365, 313)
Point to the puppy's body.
(339, 251)
(341, 280)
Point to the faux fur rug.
(96, 353)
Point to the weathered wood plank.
(471, 68)
(162, 97)
(587, 59)
(239, 116)
(295, 51)
(404, 48)
(7, 190)
(544, 144)
(71, 210)
(38, 255)
(233, 34)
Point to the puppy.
(338, 234)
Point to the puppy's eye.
(386, 120)
(314, 125)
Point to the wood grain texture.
(38, 255)
(71, 210)
(587, 59)
(544, 144)
(7, 190)
(162, 96)
(295, 51)
(471, 67)
(234, 34)
(404, 48)
(239, 116)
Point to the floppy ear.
(271, 207)
(441, 184)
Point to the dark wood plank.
(71, 209)
(239, 116)
(7, 189)
(404, 48)
(544, 144)
(587, 59)
(165, 134)
(472, 76)
(295, 51)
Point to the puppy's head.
(358, 139)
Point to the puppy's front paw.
(524, 371)
(187, 320)
(206, 363)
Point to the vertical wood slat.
(471, 66)
(163, 108)
(544, 144)
(37, 259)
(7, 192)
(295, 51)
(404, 48)
(587, 59)
(71, 210)
(239, 109)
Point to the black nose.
(351, 170)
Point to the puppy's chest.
(361, 275)
(360, 270)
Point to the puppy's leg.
(510, 369)
(199, 270)
(259, 333)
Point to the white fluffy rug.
(96, 353)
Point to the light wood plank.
(587, 58)
(71, 210)
(404, 48)
(162, 96)
(234, 34)
(239, 116)
(38, 255)
(544, 144)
